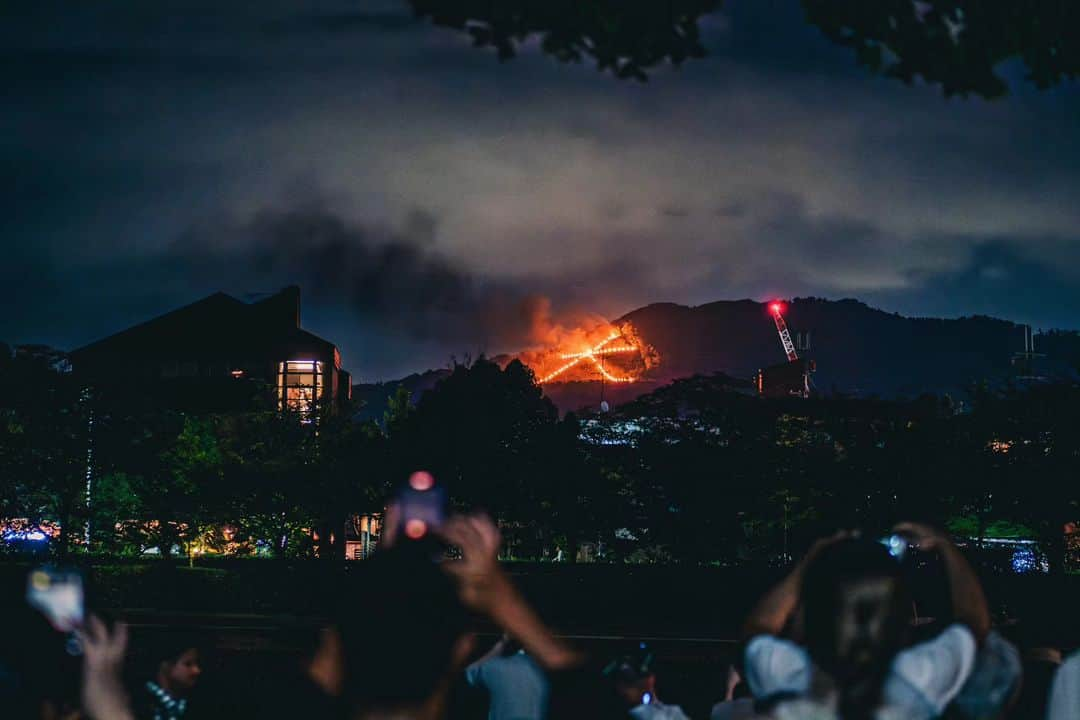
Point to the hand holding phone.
(421, 506)
(58, 595)
(897, 545)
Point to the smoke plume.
(396, 279)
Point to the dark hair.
(1034, 696)
(858, 664)
(35, 663)
(634, 665)
(400, 632)
(169, 646)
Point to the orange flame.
(578, 346)
(585, 364)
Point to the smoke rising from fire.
(396, 279)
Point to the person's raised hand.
(822, 543)
(477, 572)
(733, 679)
(103, 650)
(921, 536)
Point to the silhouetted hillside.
(373, 397)
(858, 350)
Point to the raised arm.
(969, 604)
(485, 588)
(774, 610)
(103, 695)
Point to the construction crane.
(789, 379)
(777, 310)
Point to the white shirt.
(1065, 691)
(922, 681)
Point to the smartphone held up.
(58, 595)
(422, 506)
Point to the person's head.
(633, 676)
(856, 615)
(178, 666)
(39, 675)
(404, 634)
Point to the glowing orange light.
(421, 480)
(416, 528)
(591, 354)
(561, 370)
(604, 351)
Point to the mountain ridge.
(858, 350)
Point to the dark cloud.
(998, 281)
(385, 21)
(395, 281)
(163, 151)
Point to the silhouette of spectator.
(1065, 691)
(39, 677)
(856, 611)
(994, 683)
(165, 695)
(516, 685)
(398, 653)
(635, 682)
(1036, 634)
(737, 703)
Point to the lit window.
(300, 384)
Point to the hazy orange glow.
(586, 361)
(421, 480)
(579, 346)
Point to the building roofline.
(134, 329)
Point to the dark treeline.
(692, 473)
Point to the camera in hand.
(422, 506)
(58, 595)
(897, 545)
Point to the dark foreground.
(258, 620)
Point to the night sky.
(425, 195)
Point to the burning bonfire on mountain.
(600, 351)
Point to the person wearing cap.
(635, 683)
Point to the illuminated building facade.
(220, 353)
(362, 536)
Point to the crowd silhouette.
(838, 637)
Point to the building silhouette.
(220, 353)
